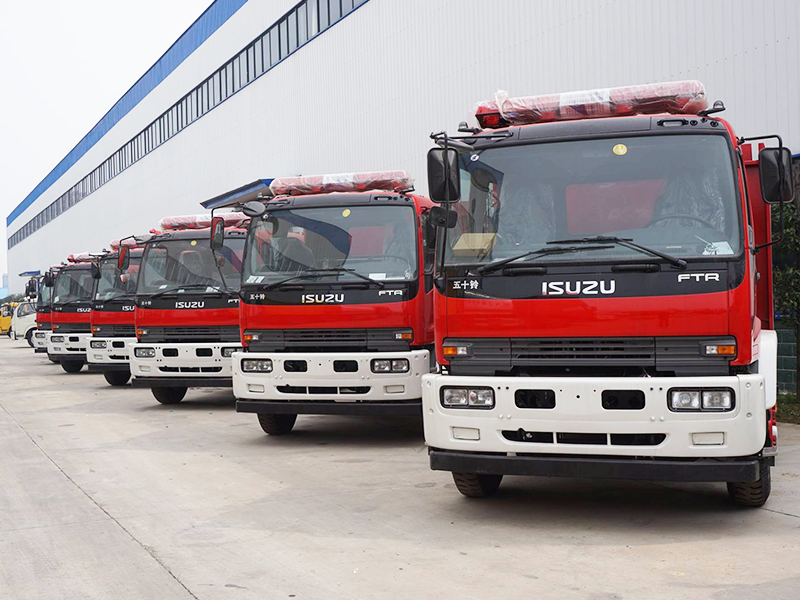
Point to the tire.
(72, 366)
(117, 378)
(473, 485)
(752, 493)
(277, 424)
(29, 338)
(169, 395)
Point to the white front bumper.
(322, 382)
(40, 338)
(117, 351)
(579, 410)
(192, 360)
(71, 344)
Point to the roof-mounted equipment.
(674, 97)
(387, 181)
(180, 223)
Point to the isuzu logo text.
(698, 277)
(321, 298)
(189, 304)
(578, 288)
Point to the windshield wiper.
(311, 273)
(71, 302)
(380, 284)
(627, 243)
(193, 286)
(497, 264)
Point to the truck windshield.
(43, 300)
(170, 264)
(73, 285)
(111, 284)
(672, 193)
(379, 242)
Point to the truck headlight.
(400, 365)
(228, 352)
(468, 397)
(685, 400)
(717, 400)
(711, 400)
(390, 365)
(381, 366)
(98, 344)
(40, 334)
(56, 338)
(252, 365)
(144, 352)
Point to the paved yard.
(108, 495)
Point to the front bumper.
(578, 425)
(40, 340)
(114, 357)
(322, 389)
(182, 365)
(73, 345)
(699, 470)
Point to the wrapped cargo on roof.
(388, 181)
(676, 97)
(182, 222)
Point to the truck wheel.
(752, 493)
(72, 366)
(29, 338)
(473, 485)
(117, 378)
(169, 395)
(277, 424)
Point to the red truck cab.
(187, 307)
(336, 300)
(602, 307)
(71, 313)
(112, 316)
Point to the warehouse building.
(262, 88)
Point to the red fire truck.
(71, 306)
(112, 316)
(336, 301)
(187, 306)
(603, 293)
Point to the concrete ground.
(105, 494)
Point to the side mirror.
(254, 209)
(429, 231)
(775, 171)
(124, 258)
(47, 280)
(444, 182)
(217, 233)
(441, 217)
(95, 270)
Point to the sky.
(63, 66)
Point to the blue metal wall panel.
(199, 31)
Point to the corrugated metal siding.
(366, 94)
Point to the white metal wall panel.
(367, 93)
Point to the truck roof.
(341, 199)
(195, 234)
(588, 128)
